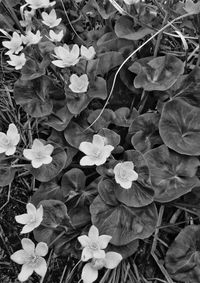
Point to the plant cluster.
(106, 172)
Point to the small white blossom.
(55, 37)
(31, 259)
(39, 154)
(37, 4)
(17, 61)
(27, 18)
(130, 2)
(90, 270)
(96, 152)
(50, 19)
(31, 38)
(88, 53)
(9, 141)
(93, 244)
(65, 56)
(79, 84)
(125, 174)
(14, 44)
(32, 219)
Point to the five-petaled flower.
(87, 53)
(31, 38)
(39, 154)
(79, 84)
(32, 219)
(31, 259)
(55, 37)
(65, 56)
(14, 44)
(9, 141)
(37, 4)
(50, 19)
(96, 152)
(125, 174)
(90, 269)
(17, 61)
(93, 244)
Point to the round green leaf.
(179, 127)
(183, 259)
(123, 223)
(172, 175)
(144, 129)
(49, 171)
(73, 180)
(111, 137)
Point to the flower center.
(33, 260)
(32, 219)
(123, 174)
(5, 141)
(94, 246)
(96, 152)
(39, 155)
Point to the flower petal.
(112, 259)
(41, 267)
(104, 240)
(23, 218)
(93, 233)
(87, 161)
(28, 154)
(86, 254)
(25, 273)
(89, 274)
(86, 147)
(98, 141)
(36, 163)
(10, 150)
(37, 144)
(28, 228)
(133, 176)
(13, 134)
(31, 209)
(99, 254)
(48, 149)
(84, 240)
(39, 214)
(41, 249)
(47, 160)
(19, 257)
(59, 63)
(28, 246)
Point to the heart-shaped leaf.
(125, 28)
(179, 127)
(123, 116)
(172, 175)
(144, 129)
(123, 223)
(182, 259)
(73, 180)
(74, 134)
(159, 73)
(111, 137)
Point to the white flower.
(9, 141)
(90, 270)
(39, 154)
(36, 4)
(125, 174)
(55, 37)
(93, 244)
(130, 2)
(17, 61)
(31, 38)
(87, 53)
(14, 44)
(31, 219)
(27, 19)
(96, 152)
(50, 19)
(79, 84)
(66, 56)
(31, 259)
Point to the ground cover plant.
(99, 141)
